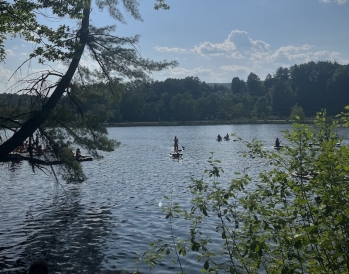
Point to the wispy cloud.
(334, 1)
(181, 72)
(303, 53)
(5, 75)
(174, 50)
(9, 52)
(235, 68)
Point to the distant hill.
(227, 85)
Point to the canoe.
(305, 176)
(46, 159)
(84, 158)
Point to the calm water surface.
(104, 224)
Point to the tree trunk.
(28, 128)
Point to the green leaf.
(339, 218)
(298, 244)
(195, 247)
(302, 201)
(309, 229)
(207, 265)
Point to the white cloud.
(239, 54)
(174, 50)
(181, 72)
(235, 68)
(238, 45)
(288, 52)
(334, 1)
(208, 49)
(244, 43)
(9, 52)
(302, 54)
(5, 75)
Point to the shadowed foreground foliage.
(295, 219)
(51, 103)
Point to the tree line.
(301, 89)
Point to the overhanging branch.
(39, 117)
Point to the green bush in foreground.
(294, 220)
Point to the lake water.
(105, 223)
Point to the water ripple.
(104, 224)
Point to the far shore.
(208, 123)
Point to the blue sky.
(221, 39)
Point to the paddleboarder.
(277, 142)
(176, 143)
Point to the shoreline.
(204, 123)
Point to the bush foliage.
(294, 220)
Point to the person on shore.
(77, 154)
(37, 140)
(26, 145)
(176, 143)
(40, 150)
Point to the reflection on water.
(104, 224)
(69, 233)
(61, 229)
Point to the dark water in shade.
(105, 223)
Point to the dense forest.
(301, 89)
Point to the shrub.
(294, 220)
